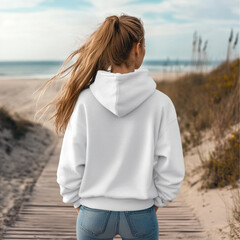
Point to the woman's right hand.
(156, 208)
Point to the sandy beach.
(23, 160)
(33, 153)
(212, 206)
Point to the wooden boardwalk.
(45, 216)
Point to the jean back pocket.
(93, 221)
(141, 222)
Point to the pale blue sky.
(52, 29)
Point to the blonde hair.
(109, 45)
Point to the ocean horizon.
(47, 69)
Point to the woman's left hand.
(78, 209)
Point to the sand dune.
(23, 160)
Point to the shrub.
(18, 127)
(222, 167)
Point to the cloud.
(48, 34)
(53, 32)
(185, 15)
(15, 4)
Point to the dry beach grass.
(208, 111)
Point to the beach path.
(45, 216)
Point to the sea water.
(47, 69)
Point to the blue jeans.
(94, 224)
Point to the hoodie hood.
(122, 93)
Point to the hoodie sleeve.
(169, 169)
(72, 157)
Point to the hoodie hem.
(114, 204)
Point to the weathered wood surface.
(45, 216)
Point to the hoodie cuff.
(160, 202)
(77, 203)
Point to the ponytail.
(110, 44)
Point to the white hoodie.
(122, 149)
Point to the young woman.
(121, 155)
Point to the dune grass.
(210, 101)
(18, 126)
(205, 101)
(222, 167)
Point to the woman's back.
(115, 148)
